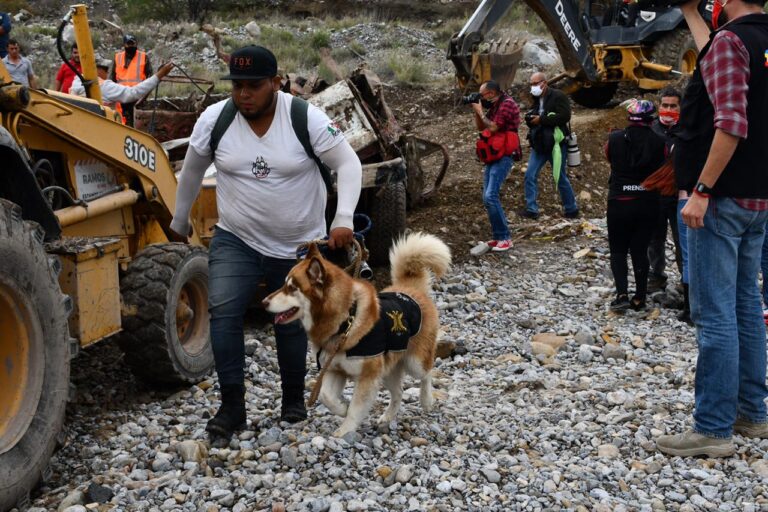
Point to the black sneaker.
(528, 214)
(294, 412)
(572, 215)
(637, 304)
(656, 284)
(620, 303)
(231, 416)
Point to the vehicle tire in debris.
(388, 218)
(34, 351)
(677, 49)
(166, 333)
(595, 96)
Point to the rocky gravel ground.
(548, 402)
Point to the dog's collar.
(347, 323)
(344, 328)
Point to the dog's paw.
(337, 407)
(427, 401)
(385, 426)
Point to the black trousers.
(657, 249)
(630, 225)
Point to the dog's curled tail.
(415, 257)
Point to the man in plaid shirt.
(725, 110)
(503, 115)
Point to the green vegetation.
(320, 39)
(404, 69)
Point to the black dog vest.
(399, 320)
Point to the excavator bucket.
(505, 58)
(493, 60)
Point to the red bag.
(490, 147)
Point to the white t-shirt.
(269, 192)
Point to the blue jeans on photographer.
(494, 175)
(535, 164)
(724, 259)
(235, 272)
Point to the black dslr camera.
(471, 98)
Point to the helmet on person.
(641, 111)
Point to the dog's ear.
(313, 251)
(316, 272)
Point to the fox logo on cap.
(242, 62)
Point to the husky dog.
(364, 336)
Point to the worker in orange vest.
(129, 68)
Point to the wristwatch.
(702, 190)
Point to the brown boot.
(692, 444)
(748, 429)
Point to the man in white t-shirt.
(271, 197)
(19, 67)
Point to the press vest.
(133, 73)
(745, 175)
(634, 154)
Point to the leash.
(335, 348)
(357, 254)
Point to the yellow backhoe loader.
(85, 204)
(602, 44)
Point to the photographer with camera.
(548, 121)
(503, 116)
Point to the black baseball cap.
(251, 63)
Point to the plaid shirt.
(505, 113)
(725, 71)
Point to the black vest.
(746, 174)
(634, 153)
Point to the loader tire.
(35, 353)
(166, 333)
(596, 96)
(388, 218)
(677, 49)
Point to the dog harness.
(399, 320)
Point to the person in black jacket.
(634, 153)
(550, 114)
(665, 126)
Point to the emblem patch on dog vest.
(397, 321)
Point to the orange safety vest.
(134, 72)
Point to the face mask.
(719, 18)
(536, 91)
(130, 51)
(668, 117)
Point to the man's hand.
(694, 210)
(164, 70)
(340, 237)
(175, 237)
(536, 120)
(478, 108)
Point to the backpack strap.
(299, 108)
(225, 119)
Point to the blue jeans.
(764, 271)
(724, 259)
(494, 175)
(535, 163)
(682, 237)
(235, 271)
